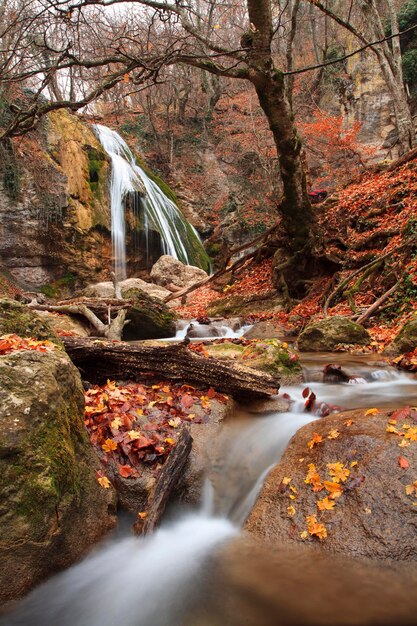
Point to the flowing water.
(161, 580)
(129, 182)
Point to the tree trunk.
(99, 360)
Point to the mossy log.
(99, 360)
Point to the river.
(160, 580)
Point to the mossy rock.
(17, 318)
(406, 340)
(245, 305)
(149, 318)
(268, 356)
(52, 507)
(324, 335)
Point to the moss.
(96, 161)
(60, 287)
(244, 305)
(149, 318)
(19, 319)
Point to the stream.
(159, 580)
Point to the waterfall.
(130, 183)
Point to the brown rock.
(170, 271)
(264, 330)
(374, 518)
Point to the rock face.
(406, 340)
(264, 330)
(149, 318)
(170, 271)
(373, 516)
(52, 507)
(324, 335)
(55, 226)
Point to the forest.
(208, 312)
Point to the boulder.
(170, 271)
(241, 305)
(324, 335)
(372, 514)
(406, 340)
(65, 323)
(267, 356)
(19, 319)
(149, 318)
(52, 507)
(265, 330)
(106, 289)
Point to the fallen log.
(99, 359)
(166, 481)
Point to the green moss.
(96, 162)
(149, 317)
(60, 287)
(19, 319)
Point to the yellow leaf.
(151, 404)
(338, 472)
(290, 510)
(104, 482)
(109, 445)
(406, 426)
(411, 434)
(348, 423)
(191, 416)
(301, 460)
(175, 422)
(284, 345)
(142, 515)
(134, 434)
(111, 384)
(315, 528)
(293, 489)
(304, 534)
(286, 480)
(392, 429)
(334, 489)
(403, 443)
(333, 434)
(353, 464)
(169, 440)
(166, 389)
(316, 439)
(139, 411)
(371, 412)
(116, 423)
(292, 496)
(325, 504)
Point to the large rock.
(265, 330)
(149, 318)
(242, 305)
(324, 335)
(60, 323)
(19, 319)
(267, 356)
(406, 340)
(106, 289)
(170, 271)
(374, 517)
(52, 507)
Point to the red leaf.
(401, 414)
(125, 471)
(211, 393)
(402, 462)
(306, 391)
(187, 401)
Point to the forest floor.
(374, 218)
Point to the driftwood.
(166, 481)
(99, 359)
(91, 308)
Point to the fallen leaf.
(125, 471)
(335, 489)
(304, 534)
(403, 463)
(315, 528)
(290, 510)
(373, 411)
(338, 472)
(116, 423)
(326, 504)
(333, 434)
(286, 480)
(315, 440)
(175, 422)
(134, 434)
(142, 515)
(109, 445)
(104, 482)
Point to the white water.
(159, 212)
(204, 332)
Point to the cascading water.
(129, 182)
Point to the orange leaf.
(403, 463)
(316, 439)
(325, 504)
(125, 471)
(104, 482)
(315, 528)
(338, 472)
(371, 412)
(109, 445)
(334, 489)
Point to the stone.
(267, 356)
(406, 340)
(52, 507)
(60, 322)
(106, 289)
(246, 305)
(265, 330)
(326, 334)
(373, 519)
(170, 271)
(204, 450)
(19, 319)
(149, 318)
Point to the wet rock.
(267, 356)
(19, 319)
(274, 404)
(149, 318)
(406, 340)
(324, 335)
(204, 450)
(52, 507)
(264, 330)
(170, 271)
(373, 518)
